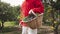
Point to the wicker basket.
(36, 23)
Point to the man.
(27, 7)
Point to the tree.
(8, 12)
(54, 13)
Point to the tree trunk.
(56, 29)
(2, 24)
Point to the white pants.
(27, 30)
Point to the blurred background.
(10, 16)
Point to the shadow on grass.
(10, 29)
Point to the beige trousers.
(27, 30)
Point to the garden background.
(10, 16)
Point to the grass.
(7, 24)
(9, 28)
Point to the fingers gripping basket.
(36, 23)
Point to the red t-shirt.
(35, 5)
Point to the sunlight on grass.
(7, 24)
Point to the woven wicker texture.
(36, 23)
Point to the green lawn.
(9, 28)
(7, 24)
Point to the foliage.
(57, 5)
(52, 15)
(8, 12)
